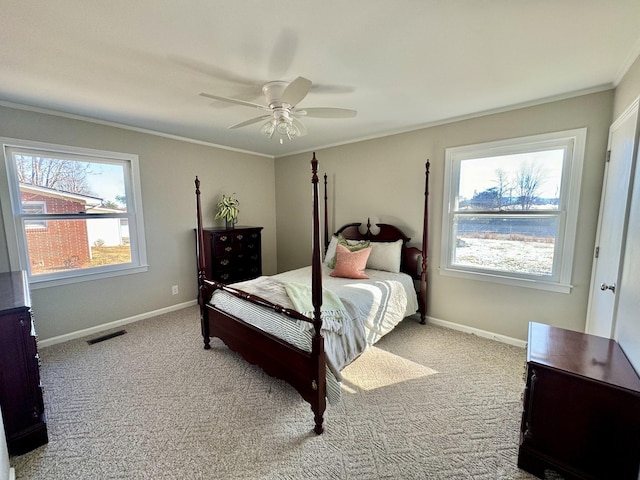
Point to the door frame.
(633, 108)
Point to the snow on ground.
(506, 255)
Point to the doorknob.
(604, 287)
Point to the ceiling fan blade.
(300, 126)
(327, 112)
(236, 101)
(296, 91)
(284, 52)
(215, 72)
(332, 89)
(249, 122)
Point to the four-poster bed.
(258, 320)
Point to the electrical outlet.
(174, 290)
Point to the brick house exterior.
(56, 244)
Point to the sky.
(105, 178)
(478, 175)
(107, 181)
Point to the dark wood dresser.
(581, 411)
(20, 388)
(233, 254)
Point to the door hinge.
(608, 159)
(597, 252)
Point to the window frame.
(14, 219)
(567, 213)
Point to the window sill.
(504, 280)
(36, 282)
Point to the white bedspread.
(380, 302)
(375, 307)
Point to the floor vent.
(106, 337)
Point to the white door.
(605, 275)
(627, 318)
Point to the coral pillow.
(352, 245)
(351, 264)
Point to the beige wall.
(627, 90)
(384, 179)
(381, 178)
(167, 169)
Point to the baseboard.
(480, 333)
(107, 326)
(12, 474)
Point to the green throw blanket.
(332, 311)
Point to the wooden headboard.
(411, 256)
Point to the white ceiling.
(402, 65)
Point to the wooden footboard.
(303, 370)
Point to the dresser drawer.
(220, 239)
(251, 237)
(252, 246)
(224, 276)
(239, 274)
(223, 249)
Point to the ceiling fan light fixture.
(269, 128)
(283, 125)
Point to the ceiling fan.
(282, 101)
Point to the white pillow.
(385, 256)
(331, 250)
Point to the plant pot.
(229, 223)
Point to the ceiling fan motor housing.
(273, 94)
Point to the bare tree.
(503, 184)
(529, 180)
(59, 174)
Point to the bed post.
(425, 239)
(204, 323)
(319, 384)
(326, 216)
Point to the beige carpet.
(425, 403)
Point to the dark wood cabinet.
(233, 254)
(20, 389)
(581, 411)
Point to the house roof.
(51, 192)
(402, 65)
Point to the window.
(75, 213)
(510, 210)
(34, 208)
